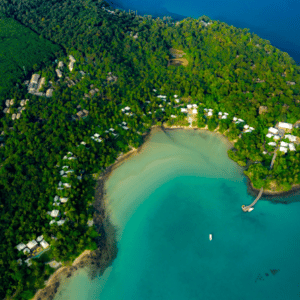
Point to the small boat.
(250, 209)
(210, 237)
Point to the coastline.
(106, 252)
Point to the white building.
(173, 116)
(184, 110)
(71, 57)
(54, 213)
(292, 147)
(273, 130)
(49, 93)
(272, 144)
(283, 149)
(209, 114)
(26, 251)
(60, 64)
(283, 125)
(40, 238)
(284, 144)
(189, 106)
(61, 222)
(63, 199)
(44, 244)
(234, 119)
(269, 135)
(246, 126)
(194, 111)
(291, 138)
(276, 137)
(224, 117)
(52, 222)
(59, 73)
(21, 246)
(32, 244)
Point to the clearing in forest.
(178, 59)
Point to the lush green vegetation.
(224, 63)
(21, 52)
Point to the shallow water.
(274, 20)
(165, 201)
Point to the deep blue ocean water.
(275, 20)
(164, 203)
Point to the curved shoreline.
(107, 250)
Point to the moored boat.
(210, 237)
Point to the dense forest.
(21, 52)
(121, 59)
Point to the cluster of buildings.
(9, 108)
(278, 133)
(126, 111)
(111, 77)
(32, 248)
(60, 66)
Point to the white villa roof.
(220, 113)
(40, 238)
(210, 109)
(285, 125)
(276, 137)
(224, 117)
(284, 144)
(127, 108)
(60, 222)
(125, 127)
(71, 57)
(58, 72)
(292, 147)
(183, 109)
(154, 90)
(283, 149)
(56, 198)
(234, 118)
(173, 116)
(189, 106)
(195, 111)
(177, 100)
(26, 250)
(241, 120)
(63, 199)
(246, 126)
(210, 113)
(54, 213)
(52, 222)
(21, 246)
(292, 138)
(273, 130)
(44, 244)
(195, 105)
(269, 135)
(251, 128)
(175, 96)
(225, 113)
(67, 185)
(32, 244)
(272, 144)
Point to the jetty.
(246, 208)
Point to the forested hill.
(102, 105)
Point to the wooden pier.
(246, 208)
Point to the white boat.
(210, 237)
(250, 209)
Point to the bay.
(164, 203)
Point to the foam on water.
(165, 202)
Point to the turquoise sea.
(164, 203)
